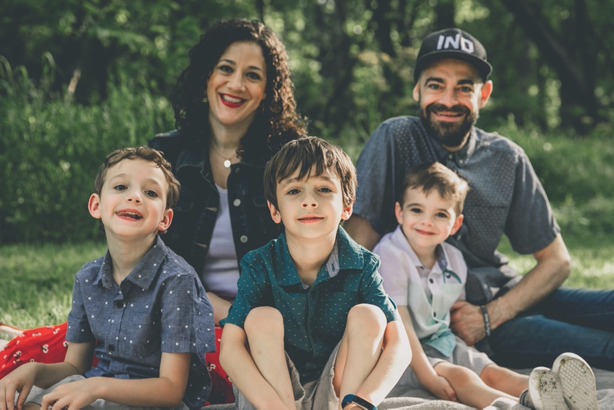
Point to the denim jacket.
(196, 211)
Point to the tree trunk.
(578, 88)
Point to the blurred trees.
(352, 58)
(104, 69)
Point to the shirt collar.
(143, 273)
(442, 257)
(461, 156)
(346, 254)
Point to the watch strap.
(362, 403)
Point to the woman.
(234, 108)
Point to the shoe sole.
(545, 390)
(578, 382)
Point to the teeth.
(131, 215)
(231, 99)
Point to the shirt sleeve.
(187, 323)
(372, 290)
(392, 270)
(78, 330)
(375, 173)
(253, 290)
(530, 225)
(458, 266)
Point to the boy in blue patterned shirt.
(141, 309)
(314, 294)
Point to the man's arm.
(361, 231)
(550, 271)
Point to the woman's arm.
(164, 391)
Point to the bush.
(573, 170)
(51, 149)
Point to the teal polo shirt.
(314, 317)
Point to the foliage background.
(80, 78)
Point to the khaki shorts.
(463, 355)
(316, 395)
(36, 396)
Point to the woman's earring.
(205, 99)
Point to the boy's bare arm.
(164, 391)
(420, 364)
(395, 358)
(240, 367)
(43, 375)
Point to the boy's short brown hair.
(144, 153)
(302, 154)
(431, 176)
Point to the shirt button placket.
(115, 324)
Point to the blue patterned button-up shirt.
(160, 306)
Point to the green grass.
(592, 262)
(37, 280)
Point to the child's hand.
(19, 381)
(71, 396)
(440, 387)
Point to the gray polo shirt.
(505, 197)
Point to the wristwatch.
(362, 403)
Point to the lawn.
(37, 280)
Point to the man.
(524, 321)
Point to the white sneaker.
(577, 380)
(545, 391)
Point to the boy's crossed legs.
(357, 355)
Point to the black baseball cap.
(452, 43)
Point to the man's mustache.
(435, 108)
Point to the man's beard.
(448, 134)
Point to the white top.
(221, 270)
(428, 293)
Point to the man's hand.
(467, 322)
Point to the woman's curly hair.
(276, 121)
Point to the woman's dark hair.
(276, 121)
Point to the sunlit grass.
(36, 281)
(592, 261)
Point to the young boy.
(312, 301)
(425, 276)
(140, 309)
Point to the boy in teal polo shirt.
(312, 301)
